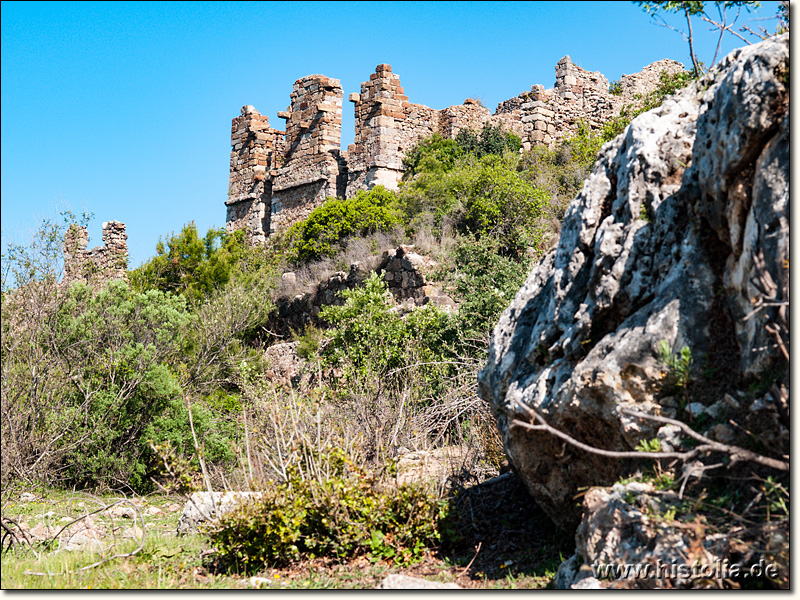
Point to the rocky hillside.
(667, 294)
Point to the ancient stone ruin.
(404, 271)
(109, 261)
(278, 177)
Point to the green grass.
(170, 562)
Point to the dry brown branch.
(477, 550)
(14, 537)
(708, 445)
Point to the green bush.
(190, 265)
(327, 226)
(486, 196)
(345, 514)
(485, 282)
(437, 155)
(115, 344)
(502, 203)
(432, 155)
(369, 338)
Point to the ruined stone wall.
(404, 271)
(277, 179)
(257, 150)
(579, 96)
(313, 168)
(109, 261)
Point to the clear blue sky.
(124, 110)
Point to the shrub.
(485, 283)
(437, 155)
(433, 155)
(369, 338)
(84, 378)
(487, 196)
(217, 344)
(342, 514)
(327, 226)
(501, 203)
(189, 265)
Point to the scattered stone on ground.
(397, 581)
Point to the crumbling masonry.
(278, 177)
(109, 261)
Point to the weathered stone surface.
(204, 506)
(431, 465)
(109, 261)
(397, 581)
(285, 365)
(403, 270)
(661, 244)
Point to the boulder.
(286, 367)
(397, 581)
(680, 231)
(204, 506)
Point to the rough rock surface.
(286, 366)
(397, 581)
(621, 525)
(682, 216)
(203, 506)
(430, 465)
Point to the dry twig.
(736, 453)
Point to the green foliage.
(437, 155)
(485, 283)
(680, 371)
(501, 203)
(344, 514)
(491, 140)
(615, 88)
(370, 338)
(653, 445)
(486, 196)
(432, 155)
(116, 343)
(680, 364)
(189, 265)
(309, 342)
(327, 226)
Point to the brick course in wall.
(277, 178)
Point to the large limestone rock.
(683, 219)
(398, 581)
(205, 506)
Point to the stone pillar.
(114, 263)
(313, 169)
(256, 149)
(314, 119)
(379, 115)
